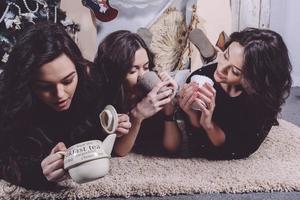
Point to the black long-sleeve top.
(34, 135)
(244, 122)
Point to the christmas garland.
(15, 15)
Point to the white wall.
(285, 19)
(87, 34)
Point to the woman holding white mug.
(251, 81)
(121, 58)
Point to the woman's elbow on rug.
(171, 147)
(120, 153)
(244, 152)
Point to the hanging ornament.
(12, 21)
(4, 58)
(6, 44)
(19, 14)
(29, 17)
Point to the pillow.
(168, 40)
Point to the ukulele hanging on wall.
(101, 9)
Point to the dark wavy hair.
(36, 46)
(267, 67)
(114, 60)
(22, 114)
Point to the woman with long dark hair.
(251, 81)
(47, 103)
(122, 57)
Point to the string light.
(13, 16)
(5, 12)
(55, 14)
(31, 11)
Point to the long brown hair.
(114, 60)
(267, 67)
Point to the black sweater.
(244, 122)
(37, 132)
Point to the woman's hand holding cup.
(84, 161)
(53, 164)
(204, 93)
(185, 98)
(205, 100)
(198, 95)
(172, 84)
(161, 90)
(153, 102)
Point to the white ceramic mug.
(88, 161)
(149, 80)
(201, 80)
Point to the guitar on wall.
(101, 9)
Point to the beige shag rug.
(274, 167)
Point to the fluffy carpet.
(274, 167)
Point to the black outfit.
(37, 132)
(150, 138)
(244, 122)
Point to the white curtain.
(285, 18)
(135, 3)
(132, 15)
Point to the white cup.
(149, 80)
(201, 80)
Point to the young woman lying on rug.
(251, 81)
(122, 57)
(47, 103)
